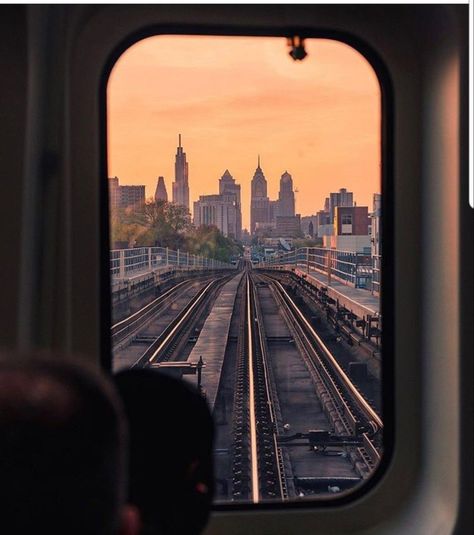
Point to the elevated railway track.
(267, 462)
(290, 419)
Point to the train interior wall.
(52, 59)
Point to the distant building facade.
(274, 211)
(340, 198)
(286, 196)
(351, 221)
(125, 196)
(259, 201)
(323, 224)
(309, 225)
(220, 211)
(246, 237)
(228, 186)
(181, 172)
(288, 226)
(160, 193)
(114, 193)
(132, 196)
(351, 229)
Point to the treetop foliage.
(164, 224)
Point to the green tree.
(207, 240)
(164, 224)
(123, 228)
(154, 223)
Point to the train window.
(245, 196)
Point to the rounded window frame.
(388, 239)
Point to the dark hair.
(171, 431)
(62, 445)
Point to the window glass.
(245, 206)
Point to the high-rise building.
(286, 196)
(340, 198)
(228, 186)
(131, 196)
(124, 196)
(274, 211)
(220, 211)
(160, 193)
(259, 203)
(180, 185)
(114, 193)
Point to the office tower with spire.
(286, 196)
(180, 185)
(160, 193)
(259, 203)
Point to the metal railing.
(360, 270)
(376, 272)
(128, 262)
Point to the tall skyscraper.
(286, 196)
(228, 186)
(160, 193)
(259, 203)
(222, 210)
(180, 185)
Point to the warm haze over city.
(234, 98)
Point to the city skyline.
(319, 120)
(160, 183)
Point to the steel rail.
(270, 406)
(369, 452)
(181, 321)
(362, 403)
(252, 409)
(240, 443)
(135, 321)
(153, 351)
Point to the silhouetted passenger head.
(171, 436)
(62, 440)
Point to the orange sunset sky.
(233, 98)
